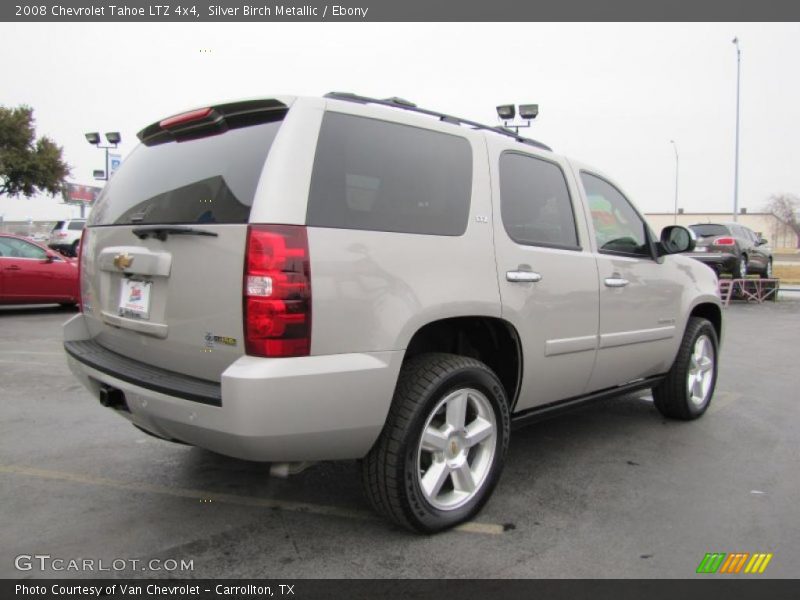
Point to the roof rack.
(410, 106)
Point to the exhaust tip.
(112, 398)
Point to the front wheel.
(686, 391)
(767, 274)
(442, 449)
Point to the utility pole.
(736, 163)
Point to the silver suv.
(301, 279)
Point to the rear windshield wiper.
(160, 232)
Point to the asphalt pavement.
(610, 491)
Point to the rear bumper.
(718, 261)
(292, 409)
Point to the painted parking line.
(205, 497)
(723, 399)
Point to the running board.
(554, 409)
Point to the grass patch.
(786, 273)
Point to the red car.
(33, 274)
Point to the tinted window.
(76, 225)
(58, 226)
(211, 179)
(617, 226)
(535, 203)
(12, 247)
(370, 174)
(708, 230)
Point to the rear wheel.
(74, 248)
(443, 446)
(686, 391)
(740, 270)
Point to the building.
(777, 232)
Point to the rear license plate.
(701, 249)
(134, 299)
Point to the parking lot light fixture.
(507, 112)
(528, 111)
(113, 138)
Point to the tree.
(28, 165)
(786, 207)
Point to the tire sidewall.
(707, 329)
(428, 517)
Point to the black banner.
(356, 589)
(404, 10)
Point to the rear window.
(76, 225)
(211, 179)
(381, 176)
(535, 202)
(709, 230)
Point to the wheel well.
(490, 340)
(712, 313)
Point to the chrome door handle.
(615, 282)
(523, 277)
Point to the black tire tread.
(670, 395)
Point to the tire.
(686, 391)
(740, 269)
(767, 274)
(73, 250)
(435, 392)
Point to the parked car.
(66, 236)
(730, 248)
(33, 274)
(304, 279)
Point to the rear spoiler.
(212, 120)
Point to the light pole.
(675, 147)
(113, 138)
(736, 163)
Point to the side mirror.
(676, 239)
(49, 259)
(762, 242)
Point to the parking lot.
(611, 491)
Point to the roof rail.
(410, 106)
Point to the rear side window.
(76, 225)
(210, 179)
(381, 176)
(709, 230)
(535, 202)
(57, 226)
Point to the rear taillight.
(277, 291)
(81, 287)
(724, 241)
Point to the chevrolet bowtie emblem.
(123, 261)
